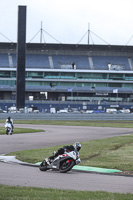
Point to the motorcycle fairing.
(57, 163)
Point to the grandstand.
(69, 74)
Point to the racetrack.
(15, 174)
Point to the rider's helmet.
(77, 146)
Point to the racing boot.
(48, 161)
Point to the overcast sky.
(68, 20)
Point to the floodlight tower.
(88, 33)
(41, 33)
(21, 49)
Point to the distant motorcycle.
(63, 163)
(8, 128)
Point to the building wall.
(70, 72)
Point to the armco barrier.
(66, 116)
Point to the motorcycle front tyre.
(43, 166)
(66, 167)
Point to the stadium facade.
(69, 75)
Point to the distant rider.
(75, 147)
(9, 120)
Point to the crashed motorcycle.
(62, 163)
(8, 128)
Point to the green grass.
(20, 130)
(122, 124)
(32, 193)
(115, 153)
(116, 124)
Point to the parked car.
(98, 111)
(89, 111)
(126, 111)
(62, 111)
(111, 110)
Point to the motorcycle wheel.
(43, 166)
(66, 166)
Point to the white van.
(126, 111)
(111, 110)
(62, 111)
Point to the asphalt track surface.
(21, 175)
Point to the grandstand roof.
(75, 47)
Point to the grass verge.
(116, 124)
(115, 153)
(20, 130)
(28, 193)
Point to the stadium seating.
(36, 60)
(67, 61)
(81, 62)
(102, 62)
(4, 62)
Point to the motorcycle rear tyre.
(68, 168)
(43, 167)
